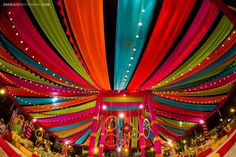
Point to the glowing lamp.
(119, 149)
(121, 115)
(232, 110)
(95, 150)
(141, 106)
(2, 91)
(104, 107)
(201, 121)
(170, 143)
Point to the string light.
(54, 99)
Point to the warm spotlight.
(95, 150)
(232, 110)
(2, 91)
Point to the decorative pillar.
(102, 138)
(94, 126)
(154, 124)
(64, 150)
(141, 139)
(120, 148)
(206, 133)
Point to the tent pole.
(94, 127)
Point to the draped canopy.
(63, 61)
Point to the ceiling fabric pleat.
(89, 35)
(172, 17)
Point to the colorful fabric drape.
(69, 66)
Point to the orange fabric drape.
(86, 20)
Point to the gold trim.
(156, 138)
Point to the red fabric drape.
(199, 27)
(168, 26)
